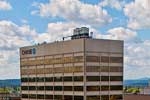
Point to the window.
(39, 96)
(78, 88)
(116, 87)
(67, 79)
(24, 71)
(31, 71)
(67, 88)
(58, 70)
(57, 79)
(32, 79)
(78, 78)
(48, 70)
(105, 97)
(68, 59)
(32, 88)
(24, 95)
(116, 97)
(104, 88)
(78, 98)
(78, 59)
(92, 59)
(58, 88)
(93, 88)
(40, 87)
(116, 59)
(105, 59)
(93, 68)
(77, 69)
(116, 78)
(32, 96)
(68, 69)
(48, 88)
(24, 79)
(48, 97)
(93, 78)
(104, 68)
(116, 69)
(104, 78)
(57, 60)
(67, 97)
(48, 79)
(93, 97)
(40, 71)
(40, 79)
(58, 97)
(24, 87)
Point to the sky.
(28, 22)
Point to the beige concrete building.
(78, 69)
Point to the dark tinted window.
(78, 78)
(93, 78)
(58, 88)
(104, 78)
(67, 78)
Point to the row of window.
(55, 88)
(71, 69)
(104, 88)
(104, 59)
(105, 97)
(104, 78)
(68, 97)
(52, 79)
(52, 70)
(73, 88)
(104, 69)
(52, 97)
(53, 61)
(72, 78)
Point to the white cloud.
(12, 37)
(122, 33)
(137, 59)
(4, 5)
(117, 4)
(74, 10)
(138, 13)
(119, 33)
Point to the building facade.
(79, 69)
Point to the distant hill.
(10, 83)
(143, 82)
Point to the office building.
(82, 68)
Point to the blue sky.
(26, 22)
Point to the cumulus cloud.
(12, 37)
(117, 4)
(4, 5)
(74, 10)
(138, 13)
(137, 59)
(119, 33)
